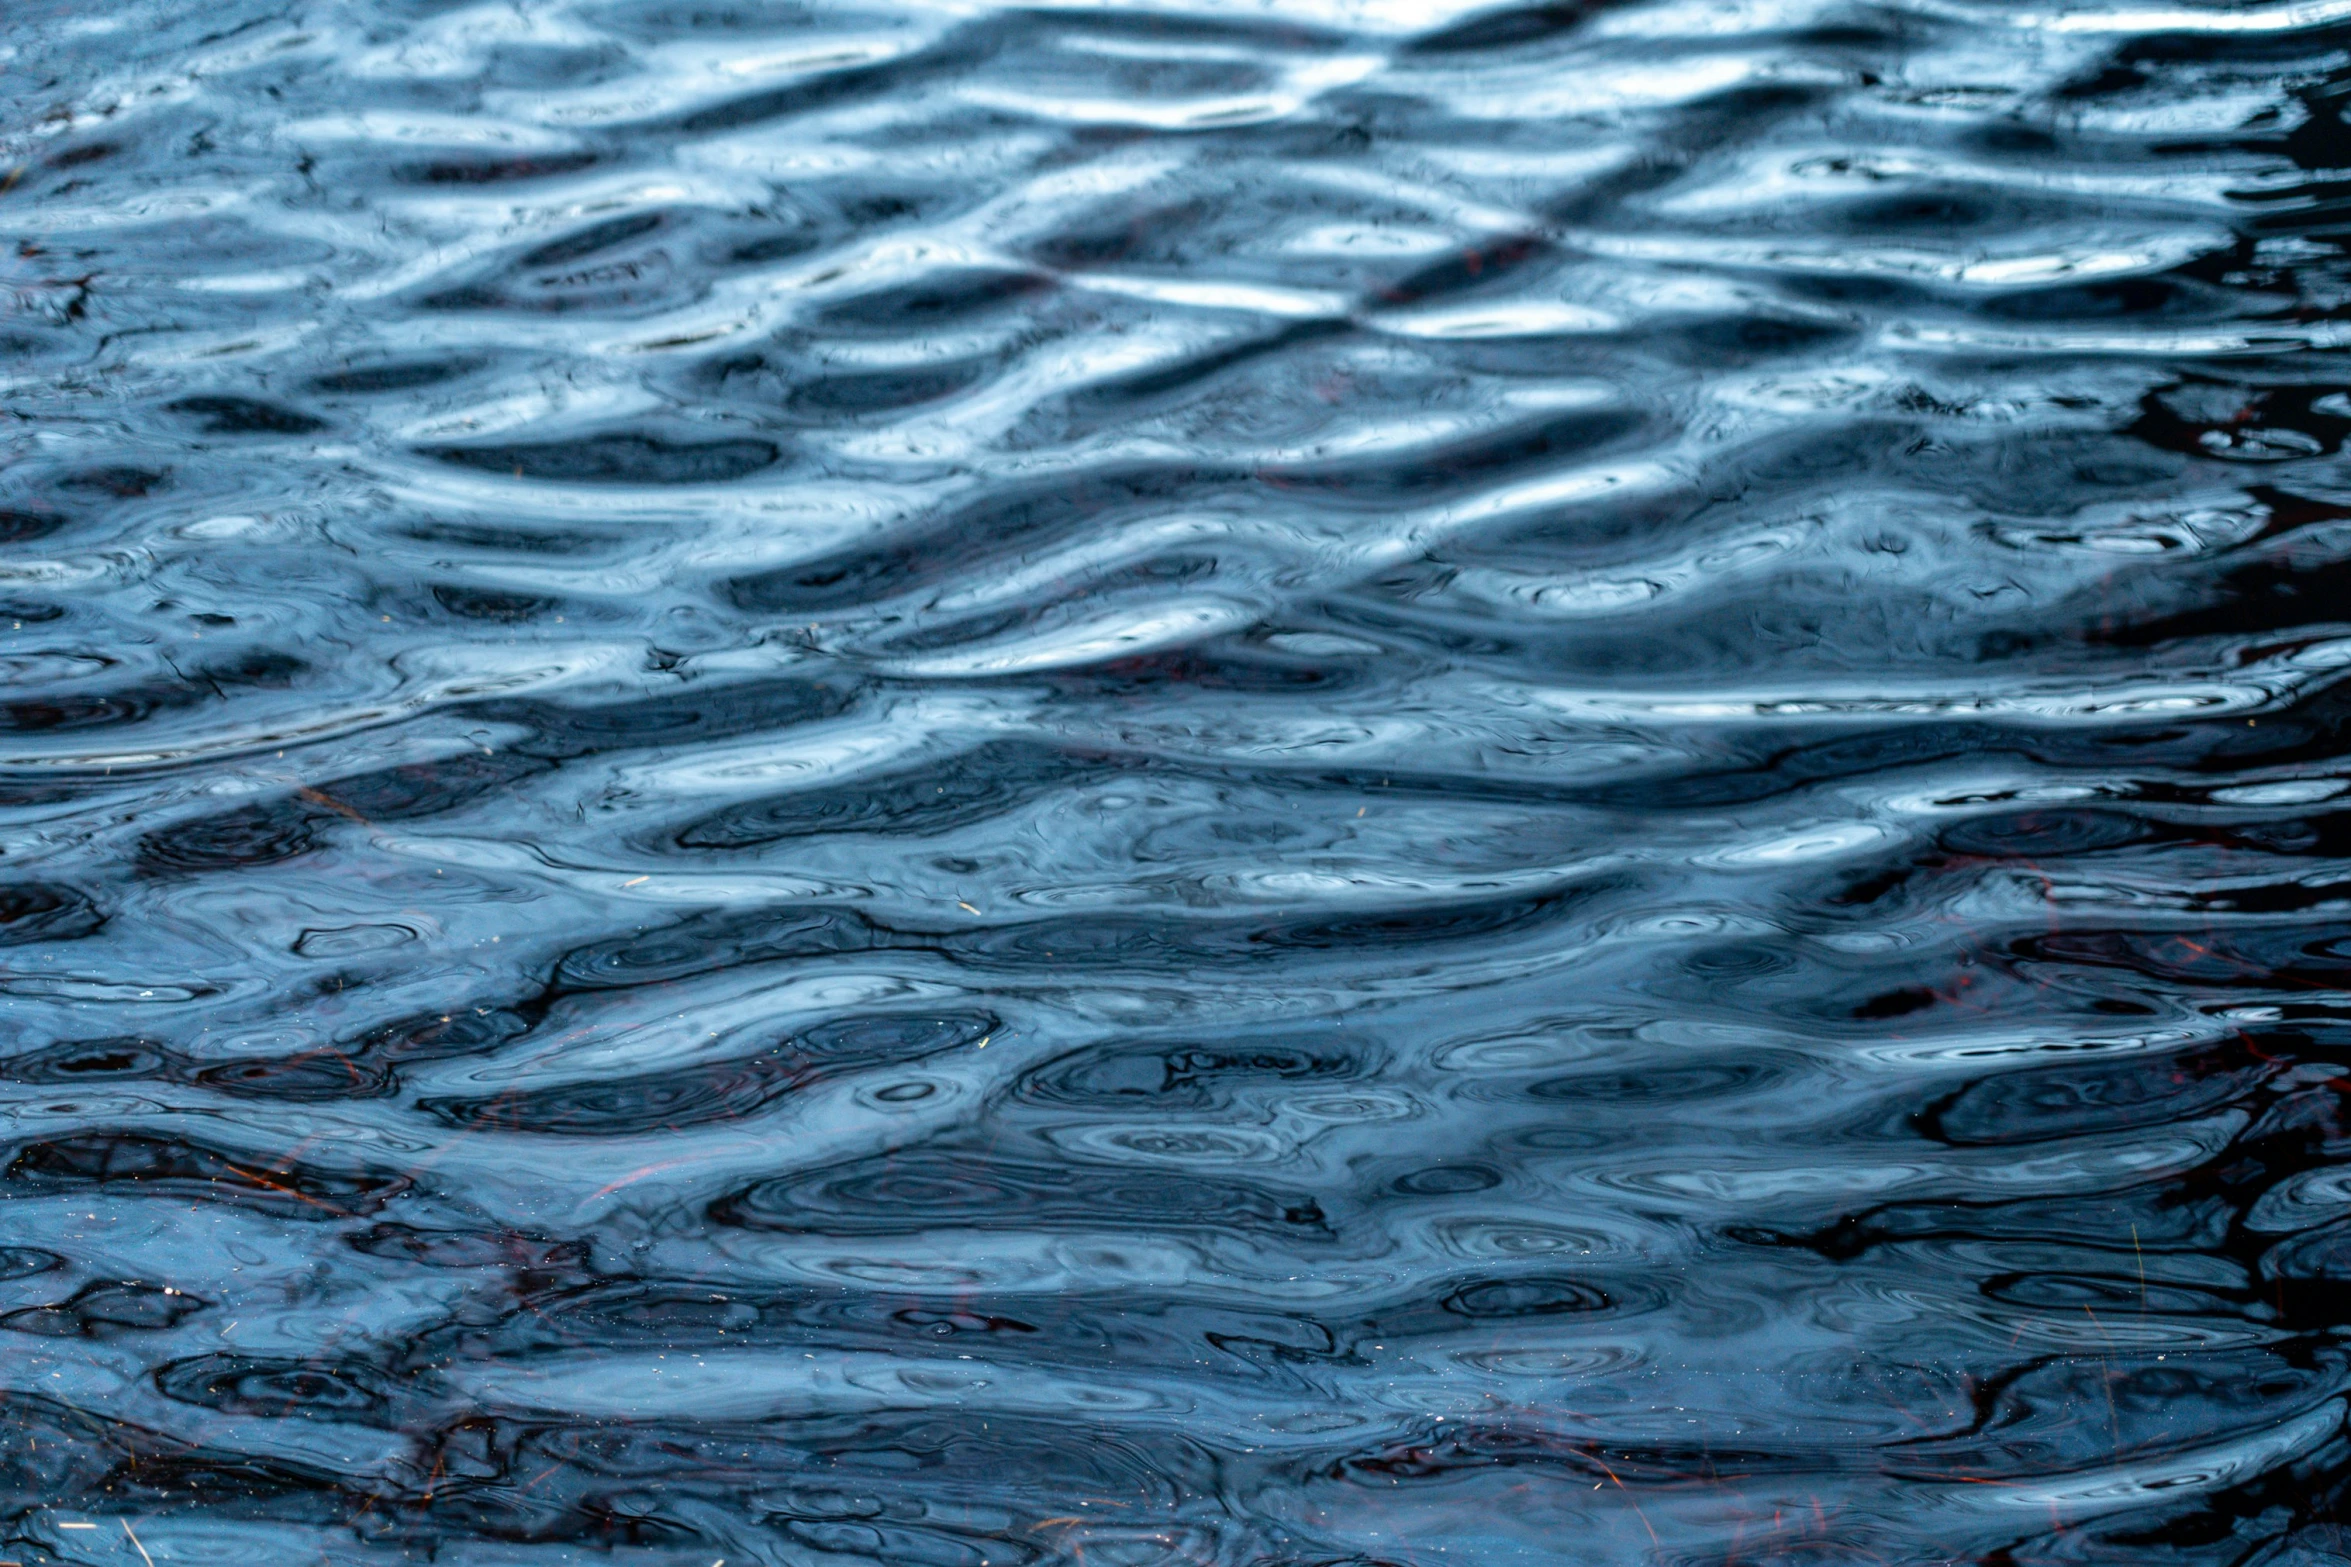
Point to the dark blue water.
(1352, 783)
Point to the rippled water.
(1341, 783)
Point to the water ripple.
(970, 786)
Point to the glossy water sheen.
(1254, 785)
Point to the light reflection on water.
(1360, 784)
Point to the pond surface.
(1275, 786)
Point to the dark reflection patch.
(189, 1172)
(617, 459)
(39, 911)
(272, 1389)
(712, 1091)
(104, 1310)
(927, 1190)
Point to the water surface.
(1341, 783)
